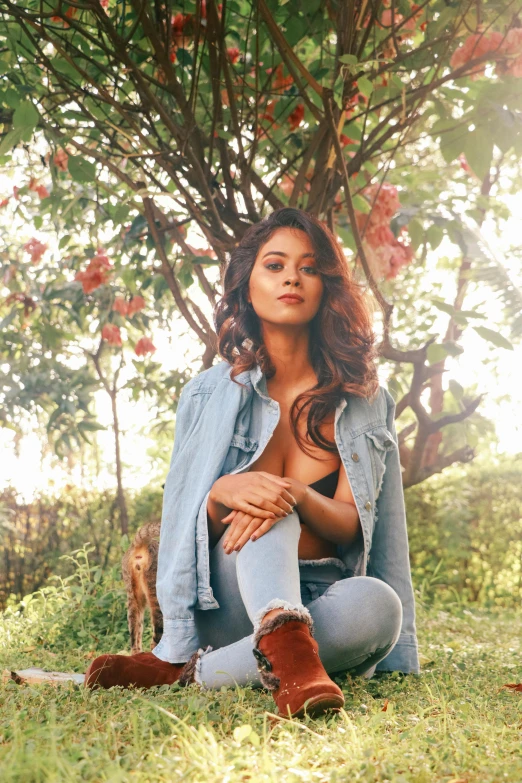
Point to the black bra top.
(327, 484)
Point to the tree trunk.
(122, 505)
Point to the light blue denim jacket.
(222, 428)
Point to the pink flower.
(35, 248)
(144, 346)
(386, 253)
(478, 45)
(111, 333)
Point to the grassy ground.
(453, 723)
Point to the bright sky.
(30, 472)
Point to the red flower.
(40, 189)
(35, 248)
(96, 273)
(297, 116)
(233, 54)
(136, 304)
(280, 82)
(111, 333)
(120, 306)
(60, 160)
(144, 346)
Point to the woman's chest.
(283, 455)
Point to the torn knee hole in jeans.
(277, 603)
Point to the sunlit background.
(496, 373)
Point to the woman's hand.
(246, 526)
(255, 492)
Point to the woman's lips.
(291, 299)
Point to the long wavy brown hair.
(342, 341)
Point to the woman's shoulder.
(206, 381)
(367, 410)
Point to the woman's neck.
(289, 353)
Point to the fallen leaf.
(89, 655)
(514, 686)
(385, 705)
(29, 649)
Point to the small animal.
(139, 567)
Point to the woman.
(283, 551)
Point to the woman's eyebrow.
(285, 255)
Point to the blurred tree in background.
(146, 137)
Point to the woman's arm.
(215, 513)
(335, 520)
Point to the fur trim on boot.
(289, 666)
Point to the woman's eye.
(311, 269)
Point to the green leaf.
(90, 426)
(456, 390)
(434, 235)
(493, 337)
(81, 170)
(452, 348)
(348, 59)
(10, 140)
(478, 149)
(347, 237)
(416, 232)
(436, 353)
(361, 205)
(365, 86)
(242, 732)
(446, 308)
(223, 134)
(26, 116)
(452, 143)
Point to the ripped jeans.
(356, 621)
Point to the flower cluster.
(506, 50)
(128, 309)
(35, 248)
(96, 274)
(385, 252)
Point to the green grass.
(453, 723)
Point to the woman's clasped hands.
(258, 501)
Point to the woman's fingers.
(235, 531)
(248, 532)
(262, 529)
(272, 501)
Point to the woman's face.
(285, 265)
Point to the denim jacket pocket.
(380, 442)
(240, 451)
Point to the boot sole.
(318, 705)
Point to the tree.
(192, 120)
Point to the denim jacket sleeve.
(181, 626)
(389, 555)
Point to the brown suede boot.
(143, 670)
(290, 667)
